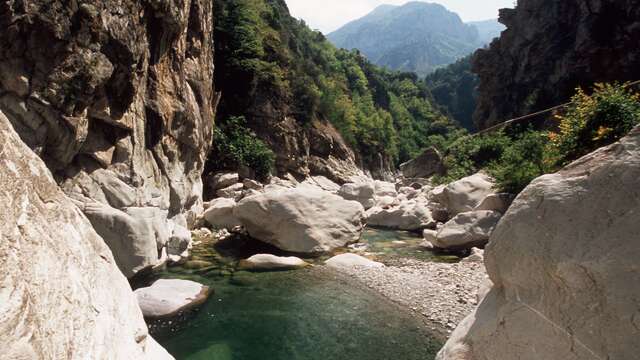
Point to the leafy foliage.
(454, 89)
(266, 59)
(514, 159)
(594, 120)
(236, 145)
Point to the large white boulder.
(302, 220)
(467, 230)
(169, 297)
(496, 202)
(465, 194)
(261, 262)
(566, 278)
(222, 180)
(323, 183)
(409, 215)
(350, 260)
(220, 215)
(383, 188)
(361, 192)
(61, 293)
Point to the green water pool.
(311, 314)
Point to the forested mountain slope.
(417, 37)
(294, 90)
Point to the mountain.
(418, 37)
(319, 109)
(488, 29)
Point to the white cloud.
(329, 15)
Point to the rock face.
(566, 281)
(62, 295)
(429, 163)
(467, 230)
(549, 49)
(302, 220)
(168, 297)
(117, 98)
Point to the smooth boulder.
(302, 220)
(61, 294)
(351, 260)
(361, 192)
(168, 297)
(496, 202)
(467, 230)
(566, 279)
(410, 215)
(261, 262)
(220, 215)
(465, 194)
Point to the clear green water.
(310, 314)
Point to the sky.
(329, 15)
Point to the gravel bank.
(443, 294)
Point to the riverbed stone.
(302, 220)
(410, 215)
(220, 215)
(352, 260)
(496, 202)
(231, 192)
(384, 188)
(222, 180)
(361, 192)
(168, 297)
(465, 194)
(252, 185)
(467, 230)
(261, 262)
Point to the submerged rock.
(168, 297)
(566, 282)
(351, 260)
(272, 262)
(62, 295)
(302, 220)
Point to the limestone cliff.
(61, 294)
(552, 47)
(117, 98)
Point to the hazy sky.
(328, 15)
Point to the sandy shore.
(441, 294)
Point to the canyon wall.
(117, 98)
(552, 47)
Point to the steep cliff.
(117, 98)
(61, 294)
(549, 49)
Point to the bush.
(593, 121)
(235, 145)
(521, 162)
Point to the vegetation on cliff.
(517, 155)
(270, 65)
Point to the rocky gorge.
(116, 234)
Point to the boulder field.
(564, 266)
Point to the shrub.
(593, 121)
(521, 162)
(235, 145)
